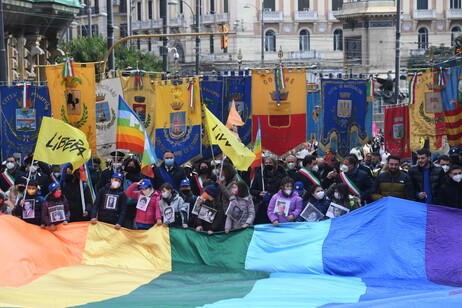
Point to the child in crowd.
(55, 210)
(342, 197)
(173, 208)
(29, 207)
(4, 207)
(188, 198)
(110, 204)
(241, 211)
(146, 216)
(285, 205)
(319, 199)
(212, 219)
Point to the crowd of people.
(213, 196)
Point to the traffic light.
(224, 37)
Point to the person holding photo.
(210, 199)
(343, 197)
(170, 197)
(54, 199)
(319, 198)
(242, 209)
(145, 219)
(21, 210)
(287, 195)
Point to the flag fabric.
(132, 136)
(396, 131)
(73, 98)
(257, 150)
(218, 134)
(282, 110)
(233, 117)
(407, 248)
(452, 105)
(59, 143)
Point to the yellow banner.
(59, 143)
(241, 156)
(73, 98)
(426, 117)
(140, 95)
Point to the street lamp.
(197, 26)
(262, 29)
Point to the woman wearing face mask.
(30, 213)
(265, 184)
(319, 198)
(146, 217)
(204, 173)
(285, 205)
(110, 204)
(55, 210)
(16, 191)
(343, 197)
(71, 189)
(170, 197)
(450, 193)
(241, 212)
(132, 174)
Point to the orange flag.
(234, 118)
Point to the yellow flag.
(60, 143)
(241, 156)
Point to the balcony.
(305, 55)
(222, 18)
(454, 14)
(424, 14)
(273, 16)
(208, 19)
(148, 24)
(304, 16)
(177, 21)
(331, 16)
(417, 52)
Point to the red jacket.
(152, 212)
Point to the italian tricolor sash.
(310, 176)
(8, 177)
(200, 183)
(53, 178)
(353, 188)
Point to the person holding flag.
(73, 192)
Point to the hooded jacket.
(152, 212)
(246, 207)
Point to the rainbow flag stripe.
(391, 253)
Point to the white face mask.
(315, 168)
(10, 165)
(57, 174)
(165, 195)
(115, 184)
(344, 168)
(117, 166)
(320, 195)
(288, 191)
(337, 195)
(457, 178)
(445, 168)
(33, 169)
(291, 166)
(147, 191)
(216, 171)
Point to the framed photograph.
(168, 214)
(143, 202)
(207, 214)
(28, 210)
(57, 213)
(110, 202)
(311, 213)
(235, 213)
(336, 210)
(282, 207)
(187, 206)
(197, 205)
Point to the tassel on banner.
(190, 88)
(25, 93)
(68, 68)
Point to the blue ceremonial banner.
(212, 95)
(239, 88)
(314, 115)
(344, 106)
(21, 121)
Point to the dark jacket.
(107, 214)
(450, 193)
(436, 178)
(4, 185)
(48, 213)
(322, 205)
(176, 173)
(72, 192)
(361, 179)
(105, 178)
(43, 181)
(397, 185)
(37, 220)
(307, 183)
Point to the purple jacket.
(279, 201)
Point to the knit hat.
(298, 186)
(185, 182)
(53, 186)
(212, 190)
(146, 183)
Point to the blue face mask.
(169, 161)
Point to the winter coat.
(246, 207)
(176, 173)
(362, 180)
(396, 185)
(225, 193)
(129, 179)
(37, 220)
(450, 193)
(322, 205)
(114, 215)
(152, 212)
(190, 199)
(295, 207)
(72, 192)
(181, 212)
(436, 178)
(50, 202)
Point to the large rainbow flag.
(391, 253)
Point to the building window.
(138, 43)
(338, 39)
(456, 4)
(150, 9)
(94, 29)
(225, 6)
(422, 4)
(303, 5)
(337, 5)
(269, 5)
(455, 32)
(149, 45)
(138, 11)
(353, 50)
(270, 40)
(304, 40)
(123, 6)
(423, 38)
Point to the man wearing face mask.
(10, 174)
(308, 174)
(110, 204)
(32, 168)
(116, 166)
(71, 189)
(291, 164)
(450, 193)
(168, 172)
(444, 162)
